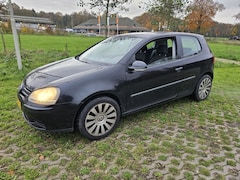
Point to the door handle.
(178, 69)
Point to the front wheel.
(203, 88)
(98, 118)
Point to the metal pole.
(99, 24)
(15, 36)
(72, 21)
(117, 22)
(108, 28)
(99, 28)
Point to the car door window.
(158, 51)
(190, 45)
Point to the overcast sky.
(68, 6)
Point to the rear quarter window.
(190, 45)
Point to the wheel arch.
(208, 73)
(200, 76)
(194, 95)
(88, 99)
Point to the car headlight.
(45, 96)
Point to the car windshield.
(111, 50)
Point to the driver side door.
(158, 82)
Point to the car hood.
(59, 70)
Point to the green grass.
(226, 50)
(72, 44)
(182, 137)
(75, 44)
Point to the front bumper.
(59, 117)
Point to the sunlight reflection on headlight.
(45, 96)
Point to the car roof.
(158, 34)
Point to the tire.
(203, 88)
(98, 118)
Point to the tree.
(201, 14)
(61, 21)
(237, 16)
(3, 7)
(165, 11)
(2, 10)
(147, 21)
(105, 6)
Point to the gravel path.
(228, 61)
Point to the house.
(34, 23)
(116, 26)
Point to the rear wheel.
(203, 88)
(98, 118)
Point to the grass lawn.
(74, 44)
(226, 50)
(188, 139)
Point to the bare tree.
(237, 16)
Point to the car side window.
(158, 51)
(190, 45)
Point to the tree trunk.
(106, 19)
(3, 40)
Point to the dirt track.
(228, 61)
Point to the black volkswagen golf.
(118, 76)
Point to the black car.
(116, 77)
(234, 38)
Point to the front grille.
(24, 92)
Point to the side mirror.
(138, 66)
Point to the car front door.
(159, 81)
